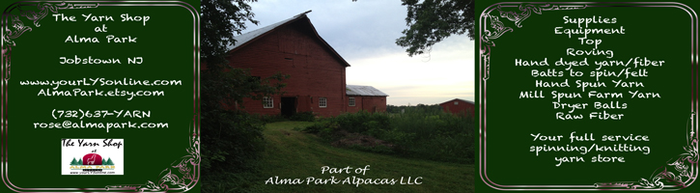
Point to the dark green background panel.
(658, 33)
(166, 45)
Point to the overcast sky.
(364, 32)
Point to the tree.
(217, 33)
(431, 21)
(221, 20)
(109, 162)
(232, 140)
(80, 162)
(74, 162)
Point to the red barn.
(365, 98)
(456, 106)
(294, 47)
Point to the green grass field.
(291, 154)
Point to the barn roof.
(245, 39)
(363, 91)
(456, 99)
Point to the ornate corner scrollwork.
(494, 28)
(43, 10)
(18, 25)
(13, 27)
(183, 174)
(679, 172)
(19, 29)
(498, 28)
(518, 18)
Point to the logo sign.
(92, 156)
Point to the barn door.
(289, 106)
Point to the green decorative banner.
(100, 96)
(579, 96)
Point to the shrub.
(303, 116)
(416, 133)
(268, 118)
(330, 131)
(363, 122)
(317, 127)
(435, 135)
(234, 141)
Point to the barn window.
(352, 101)
(322, 102)
(456, 102)
(268, 102)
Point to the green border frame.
(491, 28)
(182, 175)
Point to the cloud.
(364, 34)
(354, 29)
(417, 79)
